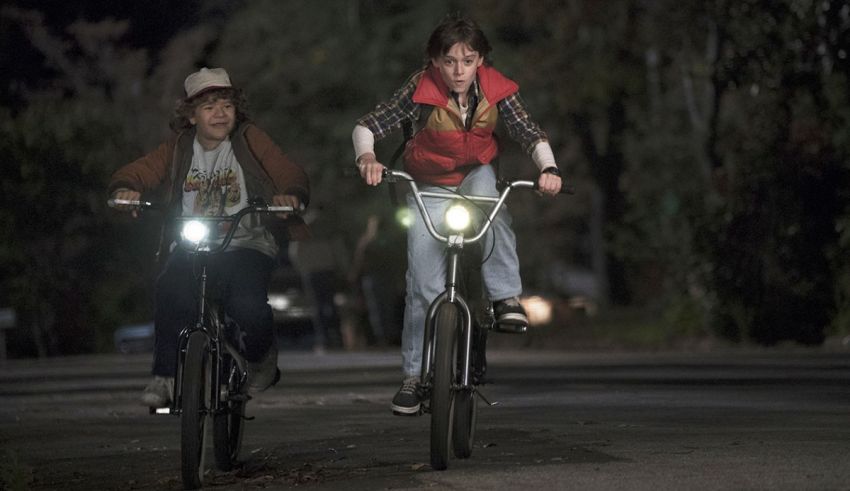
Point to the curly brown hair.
(185, 108)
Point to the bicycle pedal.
(511, 328)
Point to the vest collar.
(433, 91)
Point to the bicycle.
(457, 323)
(212, 376)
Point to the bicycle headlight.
(195, 231)
(457, 217)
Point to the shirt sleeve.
(519, 124)
(389, 115)
(364, 141)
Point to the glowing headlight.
(279, 302)
(404, 217)
(195, 231)
(457, 217)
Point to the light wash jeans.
(426, 261)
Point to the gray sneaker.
(158, 392)
(264, 373)
(406, 400)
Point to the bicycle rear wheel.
(228, 424)
(442, 393)
(196, 381)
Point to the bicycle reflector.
(457, 217)
(195, 231)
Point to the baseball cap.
(206, 79)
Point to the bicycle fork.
(452, 296)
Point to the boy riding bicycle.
(215, 164)
(457, 99)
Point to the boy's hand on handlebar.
(549, 184)
(370, 169)
(129, 195)
(286, 200)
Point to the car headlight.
(457, 218)
(195, 231)
(404, 217)
(279, 302)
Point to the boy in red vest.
(453, 148)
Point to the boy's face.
(214, 119)
(458, 66)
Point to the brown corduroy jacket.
(267, 172)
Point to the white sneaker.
(264, 373)
(158, 392)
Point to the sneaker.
(159, 391)
(264, 373)
(510, 312)
(406, 400)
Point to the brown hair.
(185, 108)
(456, 28)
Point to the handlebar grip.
(283, 209)
(113, 202)
(116, 202)
(567, 188)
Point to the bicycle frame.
(455, 244)
(201, 394)
(208, 318)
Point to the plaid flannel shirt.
(389, 115)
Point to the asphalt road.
(731, 420)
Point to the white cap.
(205, 79)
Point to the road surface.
(730, 420)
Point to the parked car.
(287, 298)
(134, 338)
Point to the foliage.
(784, 177)
(708, 143)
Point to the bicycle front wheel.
(193, 417)
(465, 414)
(229, 423)
(442, 392)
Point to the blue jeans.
(426, 261)
(239, 277)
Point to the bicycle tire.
(194, 413)
(228, 424)
(442, 393)
(466, 404)
(465, 418)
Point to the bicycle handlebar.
(505, 187)
(234, 218)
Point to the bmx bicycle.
(211, 381)
(457, 321)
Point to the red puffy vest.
(443, 151)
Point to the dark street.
(735, 420)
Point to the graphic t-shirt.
(215, 186)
